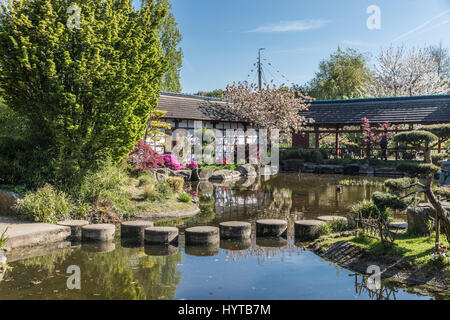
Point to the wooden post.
(337, 142)
(316, 133)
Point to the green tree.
(87, 92)
(341, 76)
(404, 191)
(170, 37)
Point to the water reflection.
(252, 269)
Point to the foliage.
(146, 179)
(164, 189)
(3, 238)
(156, 126)
(399, 184)
(46, 205)
(269, 107)
(145, 158)
(322, 229)
(416, 138)
(176, 183)
(307, 155)
(441, 57)
(363, 182)
(217, 93)
(367, 209)
(171, 161)
(170, 38)
(418, 169)
(184, 197)
(150, 193)
(88, 91)
(341, 76)
(442, 131)
(404, 74)
(443, 192)
(385, 200)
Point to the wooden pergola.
(335, 116)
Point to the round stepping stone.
(75, 227)
(271, 242)
(202, 250)
(331, 218)
(236, 245)
(134, 229)
(202, 235)
(98, 232)
(307, 229)
(161, 235)
(100, 247)
(235, 230)
(160, 250)
(271, 228)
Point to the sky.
(221, 37)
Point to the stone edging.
(176, 214)
(359, 259)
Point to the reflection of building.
(236, 201)
(190, 112)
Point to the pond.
(258, 269)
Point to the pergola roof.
(421, 109)
(183, 106)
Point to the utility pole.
(259, 68)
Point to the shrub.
(150, 193)
(3, 238)
(171, 161)
(46, 205)
(176, 183)
(101, 184)
(316, 156)
(184, 197)
(322, 229)
(338, 225)
(365, 209)
(146, 179)
(144, 157)
(164, 189)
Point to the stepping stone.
(399, 225)
(307, 229)
(75, 228)
(134, 229)
(235, 230)
(236, 245)
(160, 250)
(204, 235)
(331, 218)
(98, 232)
(161, 235)
(271, 228)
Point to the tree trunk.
(442, 213)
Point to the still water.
(257, 269)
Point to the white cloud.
(293, 26)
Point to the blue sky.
(221, 37)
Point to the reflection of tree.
(281, 201)
(207, 212)
(384, 292)
(120, 274)
(159, 276)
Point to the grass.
(363, 182)
(411, 249)
(3, 238)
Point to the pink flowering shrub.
(192, 165)
(171, 161)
